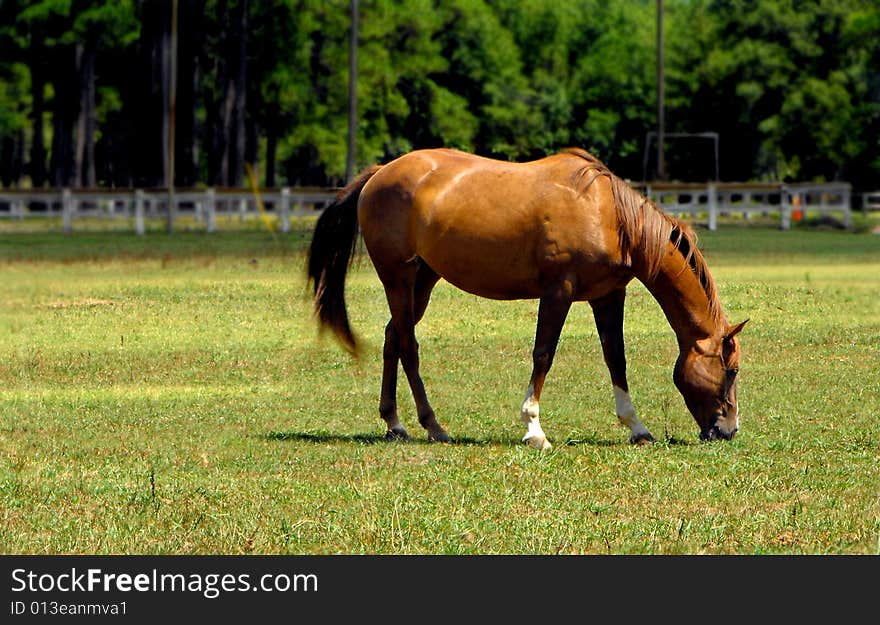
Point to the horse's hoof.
(538, 442)
(642, 438)
(397, 433)
(439, 436)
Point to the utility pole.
(352, 92)
(661, 112)
(172, 111)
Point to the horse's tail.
(330, 254)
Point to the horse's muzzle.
(715, 433)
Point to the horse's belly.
(504, 269)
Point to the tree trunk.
(212, 141)
(189, 46)
(147, 155)
(271, 153)
(238, 141)
(85, 126)
(64, 112)
(252, 142)
(11, 156)
(231, 74)
(37, 165)
(218, 118)
(224, 132)
(164, 60)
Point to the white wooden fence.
(710, 199)
(725, 198)
(205, 205)
(870, 201)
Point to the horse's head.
(705, 374)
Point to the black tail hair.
(330, 254)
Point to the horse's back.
(493, 228)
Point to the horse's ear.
(734, 330)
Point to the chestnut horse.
(561, 229)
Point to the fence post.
(285, 210)
(847, 209)
(713, 206)
(139, 212)
(242, 208)
(210, 210)
(67, 211)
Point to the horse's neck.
(683, 299)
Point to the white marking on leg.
(626, 412)
(530, 415)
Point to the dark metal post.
(352, 92)
(661, 113)
(172, 107)
(717, 166)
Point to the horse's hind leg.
(608, 312)
(552, 312)
(402, 324)
(388, 399)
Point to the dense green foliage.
(791, 86)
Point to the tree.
(775, 79)
(102, 31)
(13, 121)
(861, 37)
(224, 64)
(32, 33)
(793, 88)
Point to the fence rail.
(870, 201)
(140, 204)
(790, 201)
(714, 199)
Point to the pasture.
(170, 395)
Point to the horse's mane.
(645, 229)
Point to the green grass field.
(171, 395)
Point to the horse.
(561, 229)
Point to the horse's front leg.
(608, 312)
(552, 312)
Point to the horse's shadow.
(373, 438)
(464, 441)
